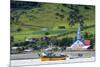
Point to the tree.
(75, 17)
(80, 19)
(18, 30)
(72, 18)
(47, 33)
(60, 15)
(11, 39)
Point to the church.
(78, 44)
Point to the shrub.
(61, 27)
(18, 30)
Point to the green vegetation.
(29, 19)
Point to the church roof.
(77, 43)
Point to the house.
(87, 42)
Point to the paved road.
(73, 54)
(33, 59)
(24, 56)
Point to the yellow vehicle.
(54, 58)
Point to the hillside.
(33, 19)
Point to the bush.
(65, 42)
(61, 27)
(87, 7)
(11, 39)
(18, 30)
(47, 33)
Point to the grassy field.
(32, 21)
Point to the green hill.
(28, 19)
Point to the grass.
(45, 16)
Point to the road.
(24, 56)
(29, 62)
(33, 59)
(73, 54)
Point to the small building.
(87, 42)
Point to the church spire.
(78, 33)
